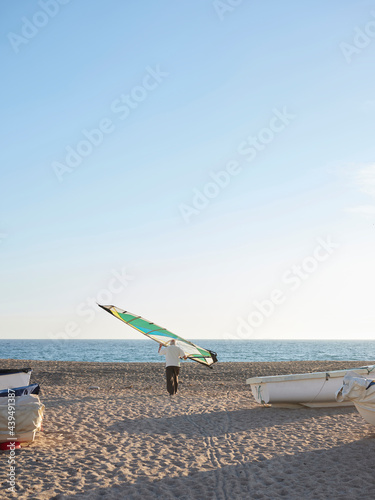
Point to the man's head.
(172, 342)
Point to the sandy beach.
(129, 439)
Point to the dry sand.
(130, 440)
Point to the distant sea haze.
(227, 350)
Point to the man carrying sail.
(172, 354)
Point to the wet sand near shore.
(129, 439)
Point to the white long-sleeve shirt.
(172, 354)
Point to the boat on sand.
(360, 391)
(317, 389)
(21, 412)
(28, 414)
(21, 391)
(14, 378)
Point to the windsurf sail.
(163, 336)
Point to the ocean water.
(146, 350)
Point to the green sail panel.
(163, 336)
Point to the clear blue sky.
(183, 91)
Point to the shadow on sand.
(220, 423)
(341, 473)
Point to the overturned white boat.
(20, 418)
(317, 389)
(14, 378)
(21, 412)
(360, 391)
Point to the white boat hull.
(360, 391)
(368, 415)
(28, 415)
(316, 389)
(14, 378)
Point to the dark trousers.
(172, 379)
